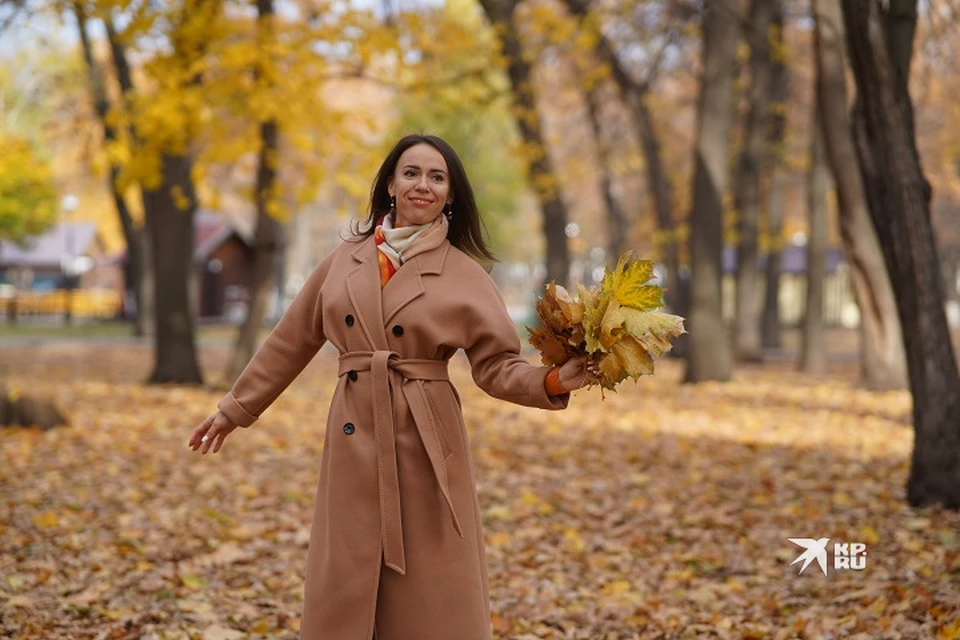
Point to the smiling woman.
(396, 548)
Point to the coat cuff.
(237, 414)
(552, 383)
(553, 401)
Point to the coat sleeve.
(493, 349)
(291, 345)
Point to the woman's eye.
(409, 173)
(437, 178)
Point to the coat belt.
(389, 371)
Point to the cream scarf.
(400, 245)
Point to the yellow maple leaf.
(632, 357)
(611, 325)
(46, 520)
(653, 329)
(627, 282)
(617, 588)
(594, 308)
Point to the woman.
(398, 300)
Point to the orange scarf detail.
(386, 267)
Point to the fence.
(78, 303)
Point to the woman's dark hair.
(466, 227)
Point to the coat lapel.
(363, 288)
(406, 285)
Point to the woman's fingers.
(210, 437)
(199, 432)
(220, 438)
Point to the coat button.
(397, 330)
(352, 375)
(349, 428)
(349, 320)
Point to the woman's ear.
(390, 188)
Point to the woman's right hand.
(573, 373)
(211, 432)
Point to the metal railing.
(76, 303)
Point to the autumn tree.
(27, 193)
(748, 179)
(634, 90)
(898, 196)
(502, 15)
(450, 88)
(618, 224)
(269, 230)
(710, 356)
(138, 279)
(813, 348)
(161, 163)
(882, 360)
(772, 237)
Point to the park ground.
(662, 511)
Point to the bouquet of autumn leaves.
(615, 324)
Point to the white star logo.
(815, 550)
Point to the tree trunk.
(268, 234)
(747, 195)
(813, 355)
(710, 355)
(770, 319)
(617, 223)
(543, 178)
(134, 272)
(779, 92)
(898, 199)
(171, 235)
(882, 360)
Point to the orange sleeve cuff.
(552, 383)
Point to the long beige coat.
(396, 546)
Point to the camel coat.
(396, 546)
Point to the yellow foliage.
(615, 324)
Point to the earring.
(448, 211)
(393, 203)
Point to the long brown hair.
(466, 227)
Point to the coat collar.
(375, 307)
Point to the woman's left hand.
(573, 373)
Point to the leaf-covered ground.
(662, 512)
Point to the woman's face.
(421, 185)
